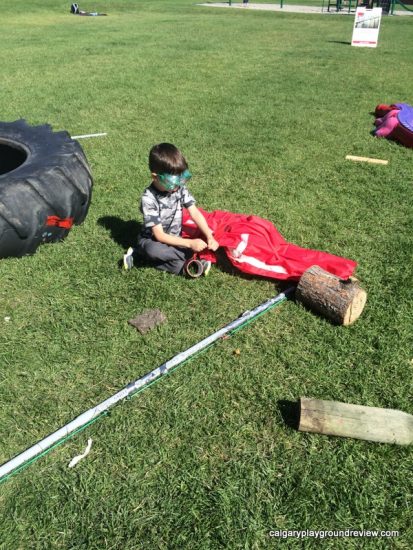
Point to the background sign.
(366, 27)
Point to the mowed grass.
(265, 106)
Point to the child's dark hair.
(165, 158)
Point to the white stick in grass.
(89, 136)
(366, 159)
(78, 458)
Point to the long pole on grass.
(81, 421)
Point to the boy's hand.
(212, 243)
(198, 245)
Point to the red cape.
(253, 245)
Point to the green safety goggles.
(170, 181)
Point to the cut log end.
(355, 307)
(340, 301)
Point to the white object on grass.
(78, 458)
(89, 136)
(366, 159)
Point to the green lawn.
(265, 106)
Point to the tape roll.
(194, 268)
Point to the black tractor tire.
(45, 186)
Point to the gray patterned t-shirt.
(165, 208)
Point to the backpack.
(74, 8)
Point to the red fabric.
(65, 223)
(383, 109)
(254, 246)
(402, 135)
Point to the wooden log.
(347, 420)
(339, 300)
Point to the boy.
(160, 241)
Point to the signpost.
(366, 27)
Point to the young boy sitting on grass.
(160, 241)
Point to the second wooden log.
(360, 422)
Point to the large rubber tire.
(45, 186)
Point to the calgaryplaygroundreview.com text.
(332, 533)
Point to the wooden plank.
(357, 421)
(366, 159)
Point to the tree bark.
(341, 301)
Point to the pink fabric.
(395, 122)
(387, 124)
(254, 245)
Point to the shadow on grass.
(290, 412)
(339, 42)
(124, 233)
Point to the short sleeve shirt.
(161, 207)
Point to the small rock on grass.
(148, 320)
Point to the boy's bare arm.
(197, 245)
(202, 225)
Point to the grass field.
(265, 106)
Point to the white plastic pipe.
(32, 452)
(89, 136)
